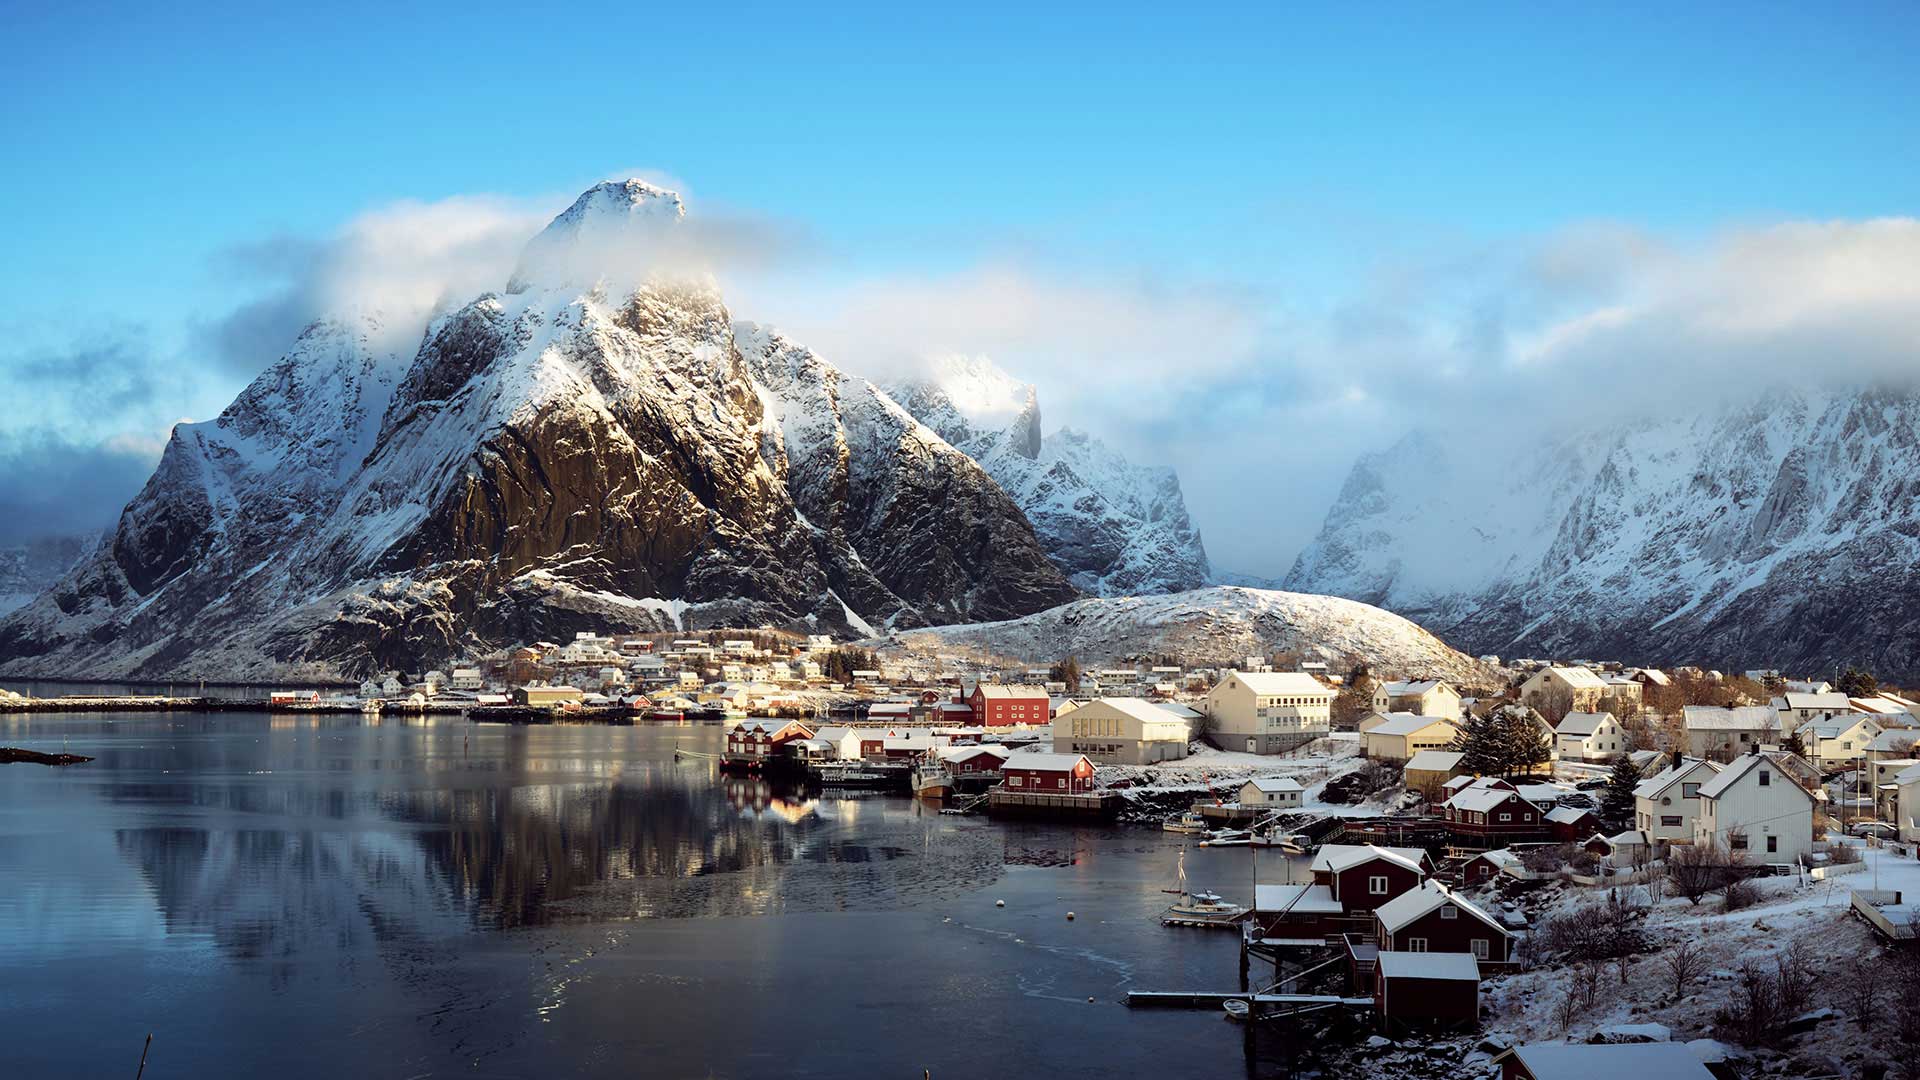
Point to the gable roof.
(1582, 723)
(1835, 726)
(1400, 689)
(1568, 815)
(1657, 784)
(1337, 857)
(1835, 701)
(994, 691)
(1450, 966)
(1139, 708)
(1416, 904)
(1578, 677)
(1743, 765)
(1403, 725)
(1435, 760)
(1044, 762)
(1609, 1061)
(1275, 783)
(1482, 799)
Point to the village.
(1584, 870)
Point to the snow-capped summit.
(612, 228)
(594, 450)
(1115, 528)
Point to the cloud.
(52, 485)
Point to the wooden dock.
(1206, 999)
(1102, 805)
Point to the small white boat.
(1237, 1010)
(1200, 908)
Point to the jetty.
(1102, 805)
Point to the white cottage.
(1754, 809)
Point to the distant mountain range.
(1780, 532)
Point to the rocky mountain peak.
(614, 229)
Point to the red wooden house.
(1414, 991)
(1004, 706)
(1432, 918)
(755, 741)
(1490, 813)
(1349, 882)
(1047, 774)
(980, 761)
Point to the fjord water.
(346, 895)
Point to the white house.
(1667, 804)
(1796, 709)
(1400, 737)
(465, 678)
(1900, 803)
(1753, 808)
(1567, 689)
(1272, 792)
(1121, 731)
(1838, 742)
(1427, 697)
(1269, 712)
(1590, 736)
(1723, 732)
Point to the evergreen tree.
(1856, 683)
(1794, 744)
(1475, 745)
(1523, 741)
(1616, 804)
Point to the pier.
(1103, 805)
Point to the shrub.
(1739, 894)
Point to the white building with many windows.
(1266, 712)
(1667, 804)
(1121, 731)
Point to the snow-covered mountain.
(1220, 625)
(1116, 528)
(587, 449)
(1783, 531)
(26, 570)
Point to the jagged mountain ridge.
(28, 569)
(1783, 531)
(1115, 528)
(571, 453)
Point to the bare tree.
(1685, 963)
(1587, 979)
(1696, 870)
(1568, 1012)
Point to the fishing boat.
(1237, 1010)
(1227, 838)
(1202, 908)
(932, 782)
(852, 777)
(1188, 822)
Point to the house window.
(1773, 843)
(1766, 778)
(1481, 948)
(1416, 944)
(1014, 780)
(1449, 912)
(1669, 821)
(1062, 782)
(1377, 885)
(1738, 841)
(1689, 791)
(1506, 816)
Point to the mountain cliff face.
(1115, 528)
(574, 452)
(26, 570)
(1783, 532)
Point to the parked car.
(1879, 829)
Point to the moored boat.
(1187, 823)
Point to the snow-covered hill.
(1116, 528)
(1220, 625)
(580, 451)
(26, 570)
(1781, 532)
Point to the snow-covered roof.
(1451, 966)
(1417, 903)
(1434, 760)
(1835, 701)
(1740, 767)
(1481, 799)
(1337, 857)
(1835, 726)
(1910, 775)
(1610, 1061)
(992, 691)
(1654, 676)
(1184, 712)
(1296, 899)
(1579, 677)
(1567, 815)
(1401, 724)
(1582, 723)
(1414, 688)
(1273, 784)
(1657, 784)
(1139, 708)
(1291, 683)
(1044, 762)
(1730, 717)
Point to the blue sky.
(1291, 159)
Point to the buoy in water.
(999, 903)
(1070, 919)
